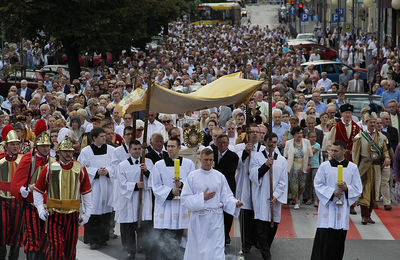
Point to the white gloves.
(42, 213)
(24, 192)
(83, 219)
(87, 208)
(38, 201)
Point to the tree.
(89, 25)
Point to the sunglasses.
(166, 121)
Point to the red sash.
(341, 135)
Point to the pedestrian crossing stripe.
(302, 223)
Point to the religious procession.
(213, 142)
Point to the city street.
(295, 235)
(296, 231)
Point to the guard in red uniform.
(345, 130)
(66, 183)
(22, 184)
(10, 207)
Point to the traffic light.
(292, 3)
(300, 8)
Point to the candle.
(176, 168)
(340, 174)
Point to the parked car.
(306, 37)
(358, 100)
(14, 79)
(334, 69)
(52, 69)
(325, 52)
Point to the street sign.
(304, 17)
(340, 11)
(291, 10)
(334, 18)
(347, 27)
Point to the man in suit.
(345, 77)
(310, 126)
(389, 131)
(382, 180)
(394, 115)
(24, 91)
(356, 85)
(156, 152)
(226, 162)
(65, 85)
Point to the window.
(340, 68)
(328, 68)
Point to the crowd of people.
(73, 125)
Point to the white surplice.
(260, 186)
(126, 209)
(120, 154)
(243, 189)
(206, 239)
(102, 189)
(331, 215)
(169, 214)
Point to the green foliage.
(91, 25)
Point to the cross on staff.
(144, 144)
(271, 150)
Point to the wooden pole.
(271, 151)
(134, 113)
(144, 144)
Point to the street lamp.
(396, 4)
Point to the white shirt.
(23, 92)
(261, 190)
(169, 214)
(331, 215)
(207, 219)
(126, 209)
(156, 127)
(326, 84)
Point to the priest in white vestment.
(333, 216)
(170, 218)
(243, 187)
(97, 160)
(206, 194)
(260, 170)
(127, 208)
(120, 154)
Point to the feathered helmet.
(66, 144)
(9, 135)
(369, 116)
(42, 137)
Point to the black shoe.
(246, 249)
(387, 207)
(130, 256)
(353, 211)
(94, 246)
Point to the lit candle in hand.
(176, 167)
(340, 174)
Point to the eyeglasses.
(139, 129)
(166, 121)
(136, 149)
